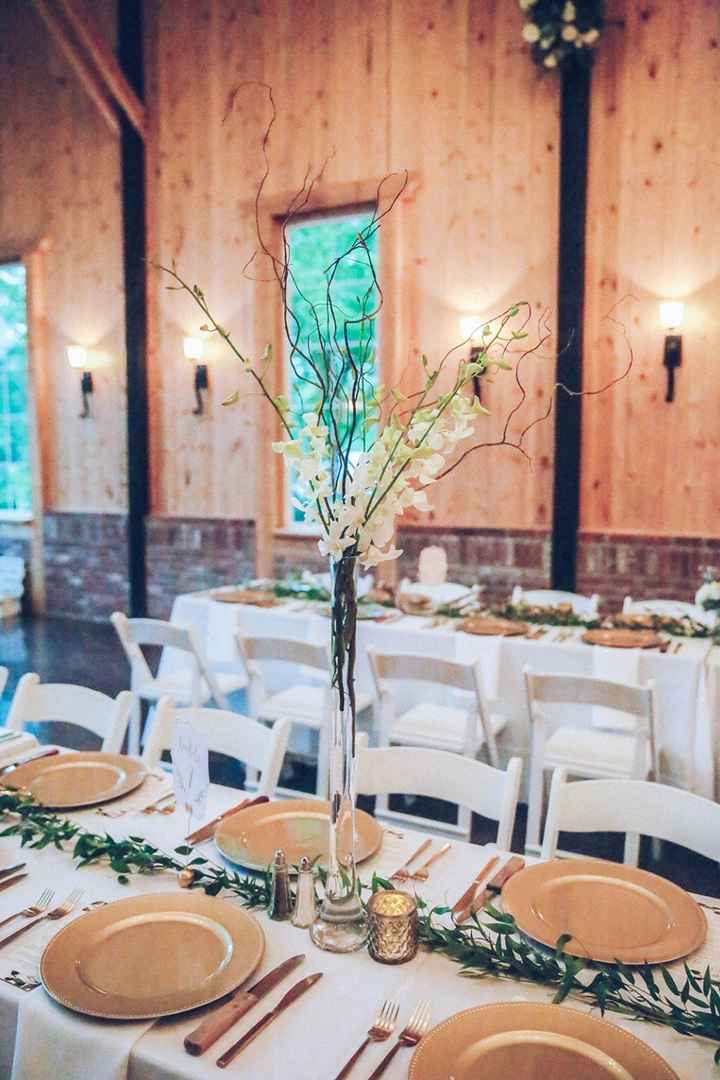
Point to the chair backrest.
(81, 706)
(3, 678)
(288, 650)
(389, 667)
(635, 807)
(134, 633)
(588, 690)
(674, 609)
(581, 605)
(230, 733)
(12, 574)
(438, 774)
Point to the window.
(315, 241)
(15, 478)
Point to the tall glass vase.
(341, 925)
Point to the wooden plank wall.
(439, 88)
(654, 233)
(59, 181)
(445, 89)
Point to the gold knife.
(206, 831)
(220, 1021)
(468, 896)
(292, 995)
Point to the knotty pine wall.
(447, 91)
(60, 187)
(654, 233)
(440, 89)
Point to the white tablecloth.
(313, 1038)
(688, 685)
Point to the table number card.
(191, 775)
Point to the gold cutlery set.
(422, 873)
(482, 886)
(38, 911)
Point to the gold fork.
(410, 1035)
(380, 1030)
(57, 913)
(423, 872)
(403, 872)
(43, 901)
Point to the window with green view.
(15, 479)
(315, 243)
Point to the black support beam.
(574, 132)
(130, 56)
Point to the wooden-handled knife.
(292, 995)
(215, 1025)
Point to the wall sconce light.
(78, 357)
(671, 317)
(194, 349)
(472, 329)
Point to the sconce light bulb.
(471, 327)
(671, 314)
(77, 356)
(193, 348)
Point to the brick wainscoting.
(86, 558)
(620, 565)
(189, 554)
(501, 558)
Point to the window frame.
(13, 516)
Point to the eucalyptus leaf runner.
(489, 945)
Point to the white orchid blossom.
(357, 512)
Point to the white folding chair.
(584, 606)
(259, 748)
(673, 609)
(80, 706)
(307, 701)
(194, 683)
(625, 752)
(462, 728)
(438, 774)
(3, 678)
(632, 807)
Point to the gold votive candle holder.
(392, 927)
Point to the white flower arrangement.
(562, 32)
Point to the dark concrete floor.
(63, 650)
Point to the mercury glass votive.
(392, 927)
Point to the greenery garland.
(492, 946)
(495, 946)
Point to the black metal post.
(574, 132)
(130, 56)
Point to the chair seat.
(438, 727)
(304, 704)
(591, 752)
(178, 686)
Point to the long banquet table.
(687, 682)
(314, 1038)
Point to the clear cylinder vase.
(341, 925)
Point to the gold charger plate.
(623, 639)
(254, 597)
(614, 912)
(533, 1042)
(298, 826)
(76, 780)
(493, 627)
(152, 955)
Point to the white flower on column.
(531, 32)
(569, 12)
(550, 61)
(591, 36)
(569, 33)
